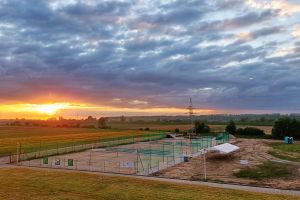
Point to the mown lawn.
(31, 184)
(40, 138)
(286, 151)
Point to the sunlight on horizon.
(69, 110)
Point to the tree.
(102, 122)
(201, 127)
(231, 127)
(286, 127)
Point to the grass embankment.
(267, 170)
(289, 152)
(34, 139)
(46, 184)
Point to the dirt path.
(221, 169)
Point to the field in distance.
(40, 138)
(34, 138)
(46, 184)
(171, 127)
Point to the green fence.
(222, 138)
(162, 155)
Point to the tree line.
(282, 127)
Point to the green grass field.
(266, 170)
(32, 184)
(40, 138)
(286, 151)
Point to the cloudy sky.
(149, 56)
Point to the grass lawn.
(268, 170)
(35, 138)
(47, 184)
(286, 151)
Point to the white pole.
(204, 164)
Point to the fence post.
(18, 152)
(150, 156)
(90, 160)
(163, 152)
(40, 149)
(204, 164)
(137, 161)
(173, 152)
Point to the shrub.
(240, 131)
(176, 130)
(250, 131)
(147, 129)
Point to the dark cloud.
(154, 51)
(266, 31)
(239, 21)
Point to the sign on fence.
(57, 162)
(70, 162)
(45, 161)
(127, 164)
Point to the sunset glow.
(39, 111)
(69, 110)
(48, 109)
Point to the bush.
(286, 127)
(147, 129)
(240, 131)
(250, 131)
(176, 130)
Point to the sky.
(148, 57)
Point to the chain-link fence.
(56, 149)
(142, 156)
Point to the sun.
(49, 109)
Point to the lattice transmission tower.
(191, 115)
